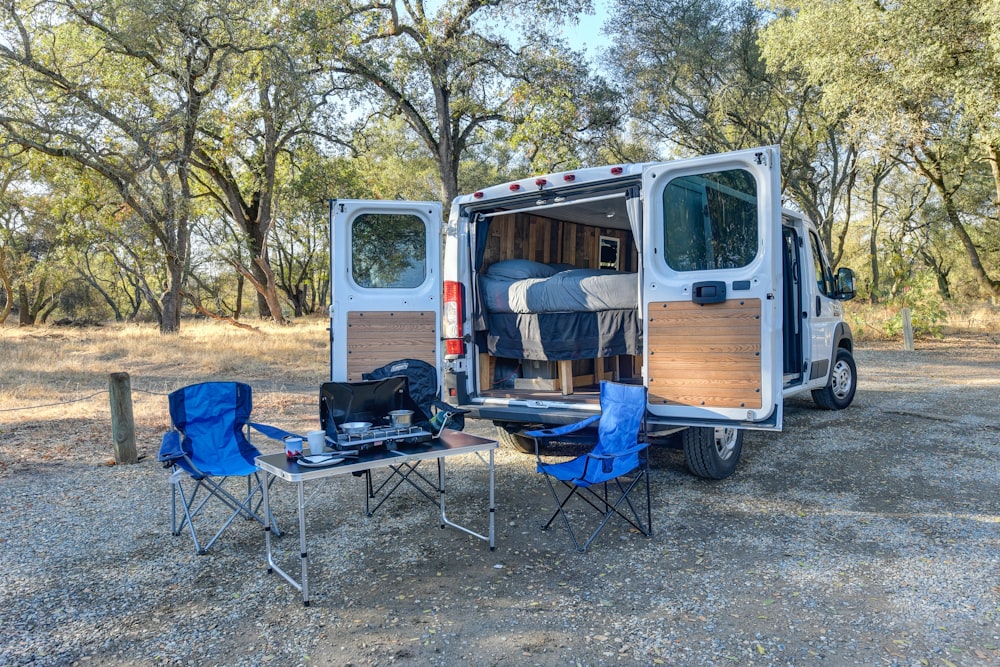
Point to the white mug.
(317, 440)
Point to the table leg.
(302, 544)
(274, 567)
(493, 507)
(444, 517)
(441, 490)
(267, 526)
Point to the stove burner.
(379, 434)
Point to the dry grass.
(883, 322)
(61, 373)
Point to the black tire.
(712, 452)
(509, 437)
(839, 390)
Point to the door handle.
(709, 291)
(819, 306)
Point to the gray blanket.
(575, 290)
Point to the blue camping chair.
(614, 467)
(207, 444)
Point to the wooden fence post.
(907, 331)
(122, 424)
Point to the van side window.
(388, 250)
(710, 221)
(824, 276)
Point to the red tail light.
(453, 345)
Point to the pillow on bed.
(559, 268)
(519, 269)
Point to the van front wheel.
(712, 452)
(839, 391)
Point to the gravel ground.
(864, 537)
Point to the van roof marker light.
(569, 178)
(478, 195)
(514, 187)
(541, 183)
(617, 170)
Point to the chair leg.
(602, 503)
(561, 510)
(192, 506)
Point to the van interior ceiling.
(589, 230)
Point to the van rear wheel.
(509, 437)
(712, 452)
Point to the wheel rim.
(842, 380)
(725, 442)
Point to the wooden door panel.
(705, 354)
(375, 339)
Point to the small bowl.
(401, 418)
(353, 428)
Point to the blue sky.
(587, 33)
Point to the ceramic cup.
(293, 447)
(317, 441)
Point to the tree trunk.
(991, 285)
(270, 291)
(264, 310)
(8, 301)
(170, 301)
(994, 159)
(238, 309)
(879, 174)
(934, 173)
(23, 306)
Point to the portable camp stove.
(382, 435)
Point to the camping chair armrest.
(544, 433)
(625, 452)
(170, 448)
(273, 432)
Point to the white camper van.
(684, 276)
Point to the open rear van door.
(711, 290)
(385, 277)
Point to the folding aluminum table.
(401, 458)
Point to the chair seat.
(586, 470)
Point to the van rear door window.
(710, 221)
(388, 251)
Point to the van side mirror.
(845, 284)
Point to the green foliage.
(914, 78)
(928, 314)
(456, 74)
(172, 139)
(696, 81)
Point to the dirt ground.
(869, 536)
